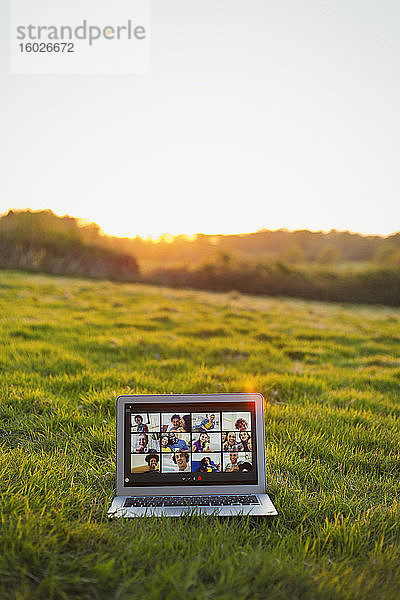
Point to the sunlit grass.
(331, 378)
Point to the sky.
(255, 114)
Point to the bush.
(374, 286)
(41, 241)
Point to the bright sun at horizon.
(155, 229)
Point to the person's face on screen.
(223, 437)
(212, 418)
(181, 460)
(231, 438)
(203, 438)
(139, 420)
(153, 464)
(176, 422)
(164, 441)
(244, 436)
(142, 441)
(233, 457)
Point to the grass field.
(331, 378)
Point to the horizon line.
(163, 235)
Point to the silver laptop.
(191, 454)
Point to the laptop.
(201, 454)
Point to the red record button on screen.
(199, 478)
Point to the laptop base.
(263, 508)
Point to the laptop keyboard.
(172, 501)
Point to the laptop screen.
(190, 444)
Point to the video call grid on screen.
(193, 445)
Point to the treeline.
(43, 242)
(301, 264)
(44, 228)
(369, 286)
(291, 247)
